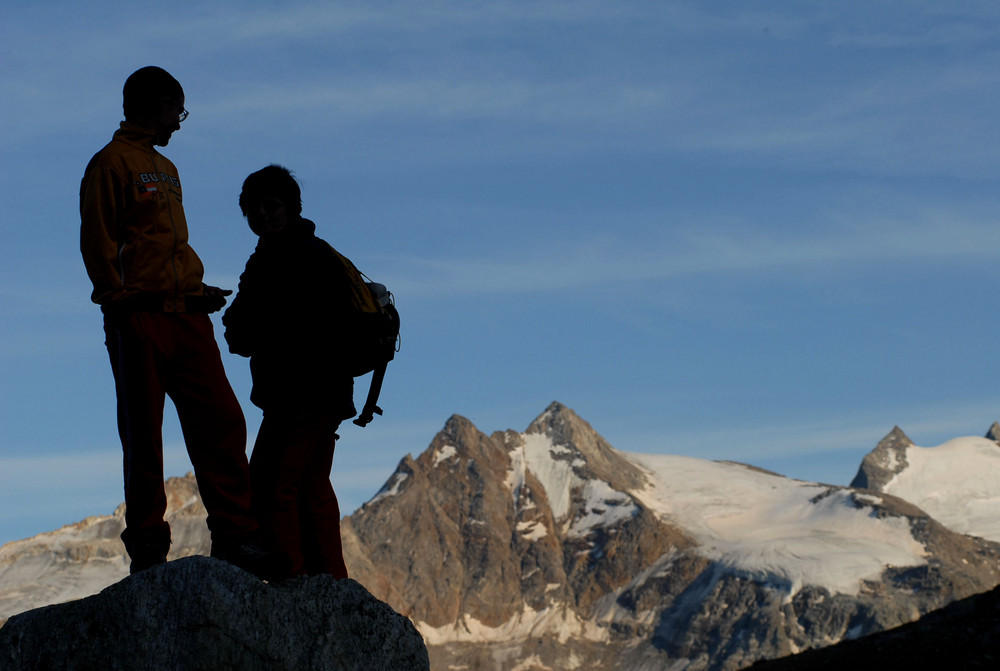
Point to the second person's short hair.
(274, 180)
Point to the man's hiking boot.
(262, 563)
(146, 547)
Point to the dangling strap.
(371, 409)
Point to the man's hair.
(146, 88)
(274, 180)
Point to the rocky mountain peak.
(459, 429)
(881, 464)
(499, 525)
(528, 548)
(955, 482)
(555, 416)
(894, 438)
(994, 432)
(592, 456)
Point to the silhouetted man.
(148, 282)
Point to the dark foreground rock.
(202, 613)
(963, 635)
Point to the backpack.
(372, 335)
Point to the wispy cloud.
(668, 90)
(683, 251)
(502, 98)
(929, 24)
(927, 425)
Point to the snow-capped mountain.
(957, 483)
(551, 549)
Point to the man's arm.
(99, 231)
(242, 320)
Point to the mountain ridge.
(664, 605)
(957, 482)
(549, 548)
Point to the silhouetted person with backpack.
(292, 317)
(148, 282)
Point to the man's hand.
(215, 298)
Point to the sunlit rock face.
(549, 548)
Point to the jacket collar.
(135, 135)
(296, 230)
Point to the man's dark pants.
(154, 355)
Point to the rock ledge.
(202, 613)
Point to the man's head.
(270, 198)
(153, 99)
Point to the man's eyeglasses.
(183, 115)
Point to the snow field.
(775, 529)
(957, 483)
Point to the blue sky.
(764, 232)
